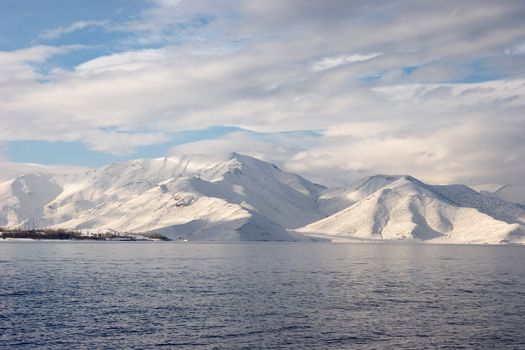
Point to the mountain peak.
(249, 160)
(239, 197)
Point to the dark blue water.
(116, 295)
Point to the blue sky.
(436, 90)
(75, 153)
(27, 23)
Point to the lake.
(145, 295)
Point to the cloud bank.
(434, 89)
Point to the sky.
(334, 90)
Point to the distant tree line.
(63, 234)
(156, 236)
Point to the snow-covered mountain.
(241, 198)
(192, 197)
(402, 207)
(510, 193)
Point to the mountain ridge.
(241, 198)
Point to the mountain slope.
(509, 193)
(193, 197)
(239, 198)
(22, 199)
(335, 199)
(406, 208)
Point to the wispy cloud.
(33, 54)
(271, 66)
(74, 27)
(335, 61)
(518, 49)
(125, 61)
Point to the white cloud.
(388, 112)
(120, 143)
(19, 69)
(332, 62)
(275, 148)
(34, 54)
(73, 27)
(510, 93)
(125, 61)
(167, 3)
(516, 50)
(468, 152)
(11, 170)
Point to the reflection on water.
(100, 295)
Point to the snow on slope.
(22, 199)
(115, 184)
(288, 199)
(241, 198)
(405, 208)
(512, 193)
(191, 197)
(336, 199)
(497, 208)
(509, 193)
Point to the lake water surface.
(145, 295)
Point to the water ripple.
(260, 296)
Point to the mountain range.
(240, 198)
